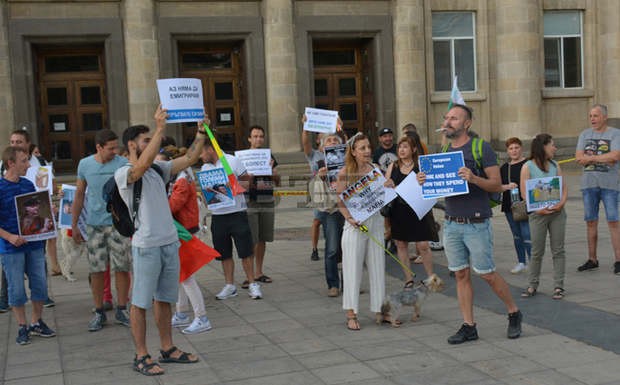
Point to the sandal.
(558, 293)
(142, 367)
(352, 323)
(529, 292)
(263, 278)
(388, 320)
(245, 284)
(418, 260)
(166, 356)
(409, 284)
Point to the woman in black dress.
(406, 226)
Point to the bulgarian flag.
(235, 187)
(455, 95)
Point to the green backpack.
(495, 198)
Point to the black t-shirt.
(515, 177)
(384, 157)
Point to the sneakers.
(435, 246)
(70, 277)
(227, 291)
(514, 324)
(333, 292)
(23, 336)
(122, 317)
(4, 307)
(315, 255)
(465, 333)
(107, 306)
(179, 320)
(199, 325)
(254, 291)
(520, 267)
(617, 268)
(49, 302)
(589, 265)
(41, 329)
(96, 323)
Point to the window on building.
(454, 50)
(563, 50)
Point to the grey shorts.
(262, 222)
(106, 246)
(155, 275)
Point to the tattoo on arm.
(130, 176)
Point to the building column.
(281, 76)
(142, 58)
(609, 55)
(518, 110)
(410, 65)
(6, 96)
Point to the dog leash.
(364, 230)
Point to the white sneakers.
(227, 291)
(180, 319)
(520, 267)
(254, 291)
(199, 325)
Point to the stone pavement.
(297, 335)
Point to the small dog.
(415, 296)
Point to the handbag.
(519, 207)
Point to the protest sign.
(257, 161)
(367, 195)
(442, 178)
(543, 192)
(34, 213)
(334, 160)
(182, 97)
(42, 178)
(66, 204)
(318, 120)
(411, 192)
(215, 188)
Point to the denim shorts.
(591, 199)
(469, 244)
(31, 263)
(155, 274)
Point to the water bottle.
(514, 194)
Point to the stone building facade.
(68, 68)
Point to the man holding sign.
(468, 236)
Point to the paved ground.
(297, 335)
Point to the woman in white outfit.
(357, 247)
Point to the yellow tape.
(566, 160)
(290, 193)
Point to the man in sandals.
(155, 243)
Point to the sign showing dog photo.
(35, 216)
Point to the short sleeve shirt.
(95, 175)
(476, 203)
(237, 166)
(384, 157)
(597, 143)
(8, 215)
(154, 224)
(313, 160)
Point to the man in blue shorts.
(18, 256)
(467, 234)
(598, 151)
(155, 243)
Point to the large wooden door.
(218, 66)
(72, 102)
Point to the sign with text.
(182, 97)
(215, 188)
(318, 120)
(367, 195)
(257, 161)
(442, 178)
(543, 192)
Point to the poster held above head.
(367, 195)
(318, 120)
(183, 99)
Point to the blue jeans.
(4, 296)
(521, 236)
(31, 263)
(332, 232)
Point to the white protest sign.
(257, 161)
(411, 192)
(318, 120)
(367, 195)
(42, 177)
(182, 97)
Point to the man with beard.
(468, 236)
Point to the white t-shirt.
(154, 225)
(237, 166)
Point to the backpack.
(122, 220)
(495, 198)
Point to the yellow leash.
(364, 230)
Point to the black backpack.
(122, 220)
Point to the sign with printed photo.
(66, 204)
(42, 178)
(367, 195)
(215, 188)
(543, 192)
(334, 161)
(35, 216)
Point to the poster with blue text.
(215, 188)
(182, 97)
